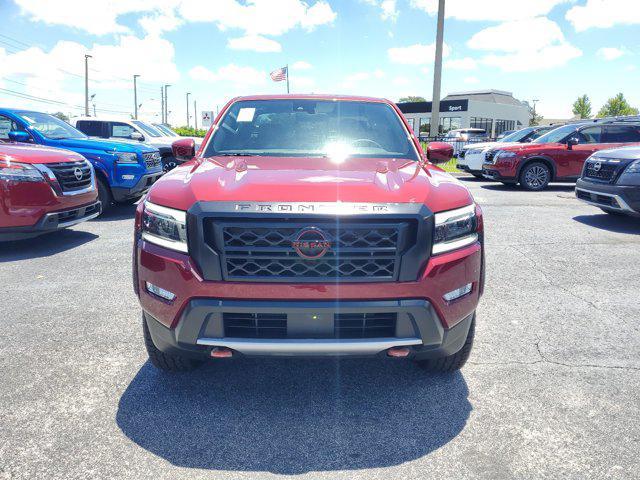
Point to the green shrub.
(190, 131)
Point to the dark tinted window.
(91, 128)
(590, 135)
(622, 133)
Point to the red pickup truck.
(309, 225)
(43, 189)
(558, 155)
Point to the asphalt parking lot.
(551, 390)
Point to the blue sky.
(551, 50)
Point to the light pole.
(437, 73)
(166, 104)
(86, 84)
(195, 115)
(135, 97)
(188, 93)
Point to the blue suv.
(124, 171)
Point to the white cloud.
(466, 63)
(417, 54)
(255, 43)
(489, 10)
(609, 53)
(248, 76)
(471, 80)
(301, 65)
(389, 10)
(158, 23)
(604, 14)
(356, 80)
(527, 45)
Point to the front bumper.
(620, 198)
(201, 330)
(52, 221)
(489, 171)
(191, 323)
(121, 194)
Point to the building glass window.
(425, 125)
(479, 122)
(449, 123)
(411, 122)
(504, 125)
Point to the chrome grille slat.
(65, 174)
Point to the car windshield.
(557, 135)
(308, 127)
(166, 130)
(148, 129)
(50, 126)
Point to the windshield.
(50, 126)
(166, 130)
(302, 127)
(148, 129)
(517, 136)
(557, 135)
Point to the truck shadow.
(44, 245)
(611, 223)
(554, 187)
(293, 416)
(117, 212)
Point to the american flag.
(279, 75)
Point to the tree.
(412, 98)
(61, 116)
(582, 107)
(617, 106)
(534, 117)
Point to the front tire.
(165, 361)
(535, 176)
(453, 362)
(104, 195)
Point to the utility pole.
(162, 105)
(86, 84)
(188, 93)
(533, 120)
(166, 104)
(135, 97)
(195, 115)
(437, 73)
(94, 104)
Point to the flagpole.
(287, 67)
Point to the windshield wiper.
(236, 154)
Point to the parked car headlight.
(503, 154)
(455, 229)
(633, 168)
(126, 158)
(19, 172)
(165, 226)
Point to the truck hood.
(106, 145)
(278, 179)
(527, 148)
(18, 152)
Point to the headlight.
(504, 154)
(633, 168)
(165, 227)
(126, 158)
(455, 229)
(19, 172)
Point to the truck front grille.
(345, 325)
(72, 176)
(345, 250)
(152, 159)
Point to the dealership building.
(493, 110)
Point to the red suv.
(559, 155)
(309, 225)
(43, 189)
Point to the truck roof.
(313, 96)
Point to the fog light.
(458, 292)
(160, 292)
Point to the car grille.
(357, 251)
(599, 170)
(345, 325)
(152, 159)
(604, 200)
(490, 156)
(72, 176)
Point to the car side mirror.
(16, 136)
(572, 142)
(439, 152)
(137, 136)
(184, 149)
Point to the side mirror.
(572, 142)
(23, 137)
(137, 136)
(439, 152)
(184, 149)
